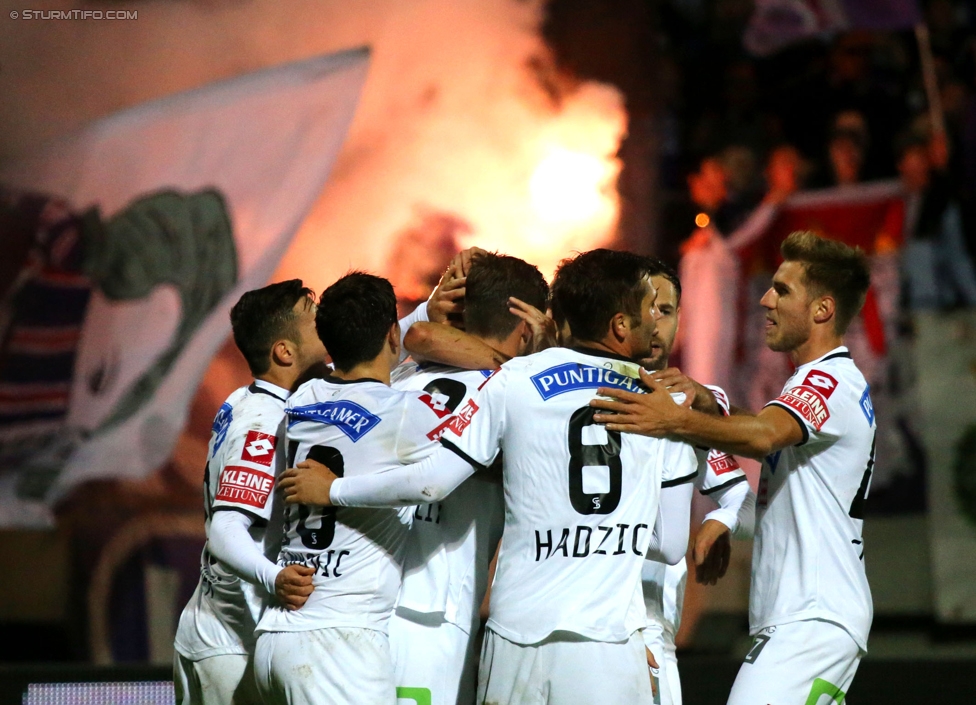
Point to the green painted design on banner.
(964, 473)
(822, 687)
(421, 696)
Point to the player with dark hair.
(433, 631)
(582, 503)
(335, 649)
(274, 328)
(719, 478)
(810, 604)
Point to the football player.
(582, 504)
(810, 604)
(335, 649)
(719, 477)
(432, 632)
(274, 328)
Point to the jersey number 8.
(597, 457)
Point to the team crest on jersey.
(721, 463)
(259, 448)
(349, 417)
(821, 381)
(808, 402)
(457, 423)
(573, 375)
(221, 423)
(244, 486)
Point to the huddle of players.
(397, 496)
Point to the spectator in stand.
(847, 148)
(937, 270)
(785, 173)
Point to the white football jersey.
(242, 464)
(355, 428)
(664, 585)
(580, 501)
(451, 542)
(808, 556)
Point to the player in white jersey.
(810, 605)
(719, 477)
(274, 328)
(581, 505)
(335, 649)
(451, 543)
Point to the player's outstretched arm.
(231, 544)
(657, 415)
(447, 345)
(430, 480)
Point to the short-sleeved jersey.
(664, 585)
(808, 555)
(580, 501)
(242, 463)
(355, 428)
(451, 542)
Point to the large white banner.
(125, 247)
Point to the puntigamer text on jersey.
(573, 375)
(349, 417)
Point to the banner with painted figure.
(722, 322)
(126, 245)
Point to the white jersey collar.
(260, 386)
(840, 351)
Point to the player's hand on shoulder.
(697, 396)
(712, 552)
(293, 585)
(543, 328)
(308, 483)
(651, 414)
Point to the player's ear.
(824, 310)
(283, 353)
(619, 326)
(393, 339)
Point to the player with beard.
(581, 504)
(719, 478)
(810, 604)
(274, 328)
